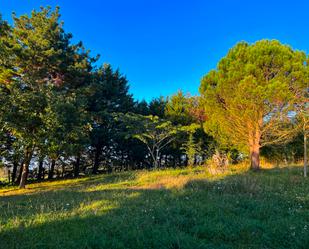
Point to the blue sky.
(166, 45)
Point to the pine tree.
(248, 98)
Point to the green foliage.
(60, 109)
(154, 132)
(45, 68)
(249, 97)
(107, 95)
(186, 112)
(192, 149)
(157, 107)
(178, 109)
(6, 57)
(141, 108)
(287, 153)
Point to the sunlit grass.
(200, 207)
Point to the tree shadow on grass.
(268, 209)
(81, 182)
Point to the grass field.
(181, 208)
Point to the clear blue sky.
(166, 45)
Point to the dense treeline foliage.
(62, 115)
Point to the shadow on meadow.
(267, 209)
(81, 182)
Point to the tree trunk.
(255, 156)
(14, 172)
(158, 159)
(154, 157)
(63, 170)
(40, 169)
(51, 170)
(24, 175)
(76, 166)
(96, 162)
(254, 142)
(25, 169)
(20, 172)
(109, 167)
(186, 160)
(9, 176)
(305, 154)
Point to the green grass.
(183, 208)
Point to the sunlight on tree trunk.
(25, 169)
(305, 154)
(255, 157)
(254, 143)
(14, 172)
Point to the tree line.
(63, 115)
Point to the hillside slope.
(182, 208)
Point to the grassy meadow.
(179, 208)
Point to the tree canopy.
(249, 98)
(62, 114)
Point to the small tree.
(154, 132)
(192, 149)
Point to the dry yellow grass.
(159, 179)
